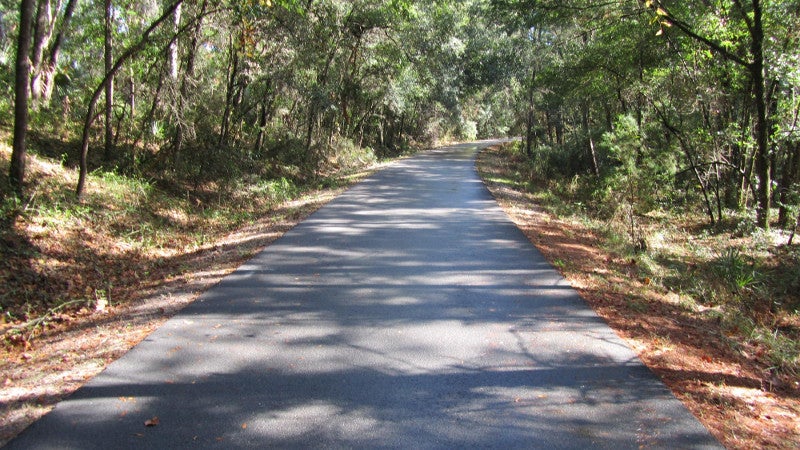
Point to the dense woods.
(668, 104)
(665, 103)
(215, 92)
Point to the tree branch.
(714, 46)
(90, 116)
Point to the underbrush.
(742, 278)
(61, 257)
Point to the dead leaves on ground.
(152, 422)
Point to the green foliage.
(468, 130)
(10, 207)
(350, 156)
(276, 191)
(278, 88)
(733, 268)
(749, 288)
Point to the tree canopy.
(689, 104)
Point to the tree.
(46, 49)
(17, 171)
(755, 66)
(90, 116)
(108, 64)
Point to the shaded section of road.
(409, 312)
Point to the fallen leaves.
(152, 422)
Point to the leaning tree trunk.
(755, 70)
(90, 116)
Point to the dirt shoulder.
(731, 392)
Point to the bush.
(468, 130)
(349, 156)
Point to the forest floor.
(721, 377)
(129, 289)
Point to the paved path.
(409, 312)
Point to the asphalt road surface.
(407, 313)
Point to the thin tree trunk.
(173, 46)
(692, 165)
(233, 70)
(755, 69)
(700, 181)
(186, 81)
(794, 230)
(790, 174)
(742, 159)
(90, 116)
(17, 170)
(262, 123)
(762, 156)
(588, 130)
(717, 194)
(402, 128)
(559, 125)
(108, 59)
(529, 119)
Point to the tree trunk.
(183, 92)
(529, 132)
(49, 67)
(794, 230)
(790, 173)
(173, 46)
(559, 128)
(742, 159)
(755, 69)
(17, 170)
(590, 144)
(233, 72)
(762, 156)
(530, 117)
(108, 59)
(90, 116)
(687, 150)
(42, 33)
(262, 124)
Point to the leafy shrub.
(468, 129)
(732, 267)
(349, 156)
